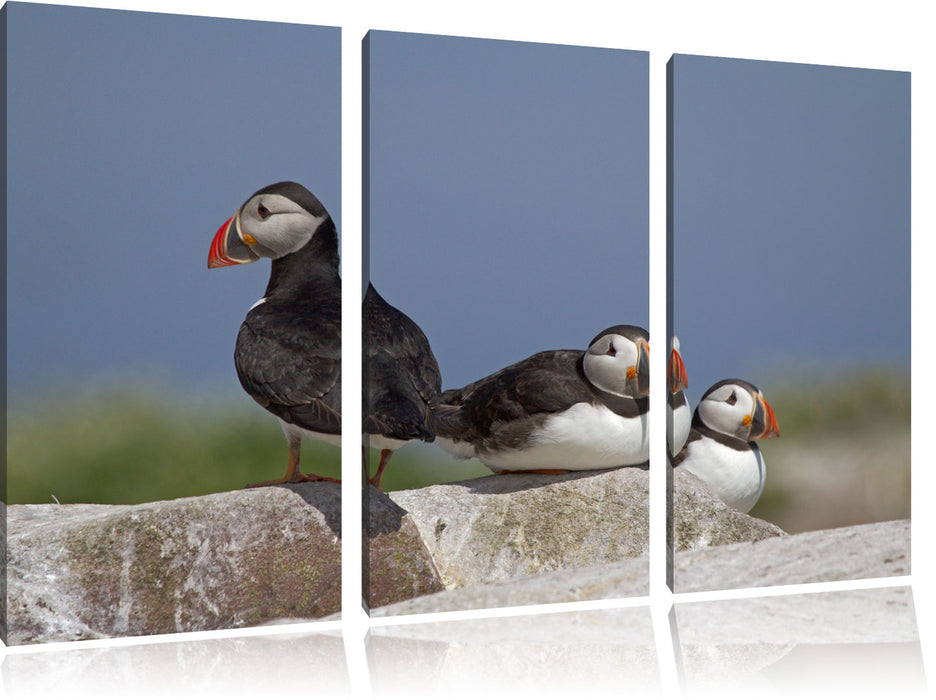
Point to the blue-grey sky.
(508, 193)
(132, 138)
(792, 219)
(508, 196)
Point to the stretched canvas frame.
(505, 212)
(788, 265)
(131, 137)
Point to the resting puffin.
(720, 449)
(401, 380)
(678, 415)
(558, 410)
(288, 350)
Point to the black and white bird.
(288, 350)
(558, 410)
(401, 380)
(721, 450)
(678, 415)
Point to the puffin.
(721, 450)
(678, 415)
(558, 410)
(402, 383)
(288, 349)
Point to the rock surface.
(499, 527)
(213, 562)
(702, 520)
(250, 557)
(876, 550)
(862, 551)
(398, 566)
(226, 560)
(624, 579)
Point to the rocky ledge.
(254, 556)
(497, 528)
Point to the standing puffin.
(288, 351)
(678, 415)
(558, 410)
(720, 449)
(401, 380)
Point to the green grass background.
(135, 446)
(843, 456)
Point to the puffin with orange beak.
(557, 410)
(288, 350)
(721, 450)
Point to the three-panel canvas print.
(174, 363)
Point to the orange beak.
(763, 412)
(227, 248)
(643, 368)
(678, 380)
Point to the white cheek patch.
(719, 415)
(609, 373)
(286, 230)
(285, 233)
(256, 304)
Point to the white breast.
(736, 477)
(678, 423)
(582, 437)
(294, 430)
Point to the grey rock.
(500, 527)
(225, 560)
(257, 556)
(701, 520)
(398, 566)
(606, 581)
(857, 552)
(861, 551)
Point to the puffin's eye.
(262, 211)
(732, 400)
(611, 350)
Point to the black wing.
(290, 363)
(402, 382)
(502, 409)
